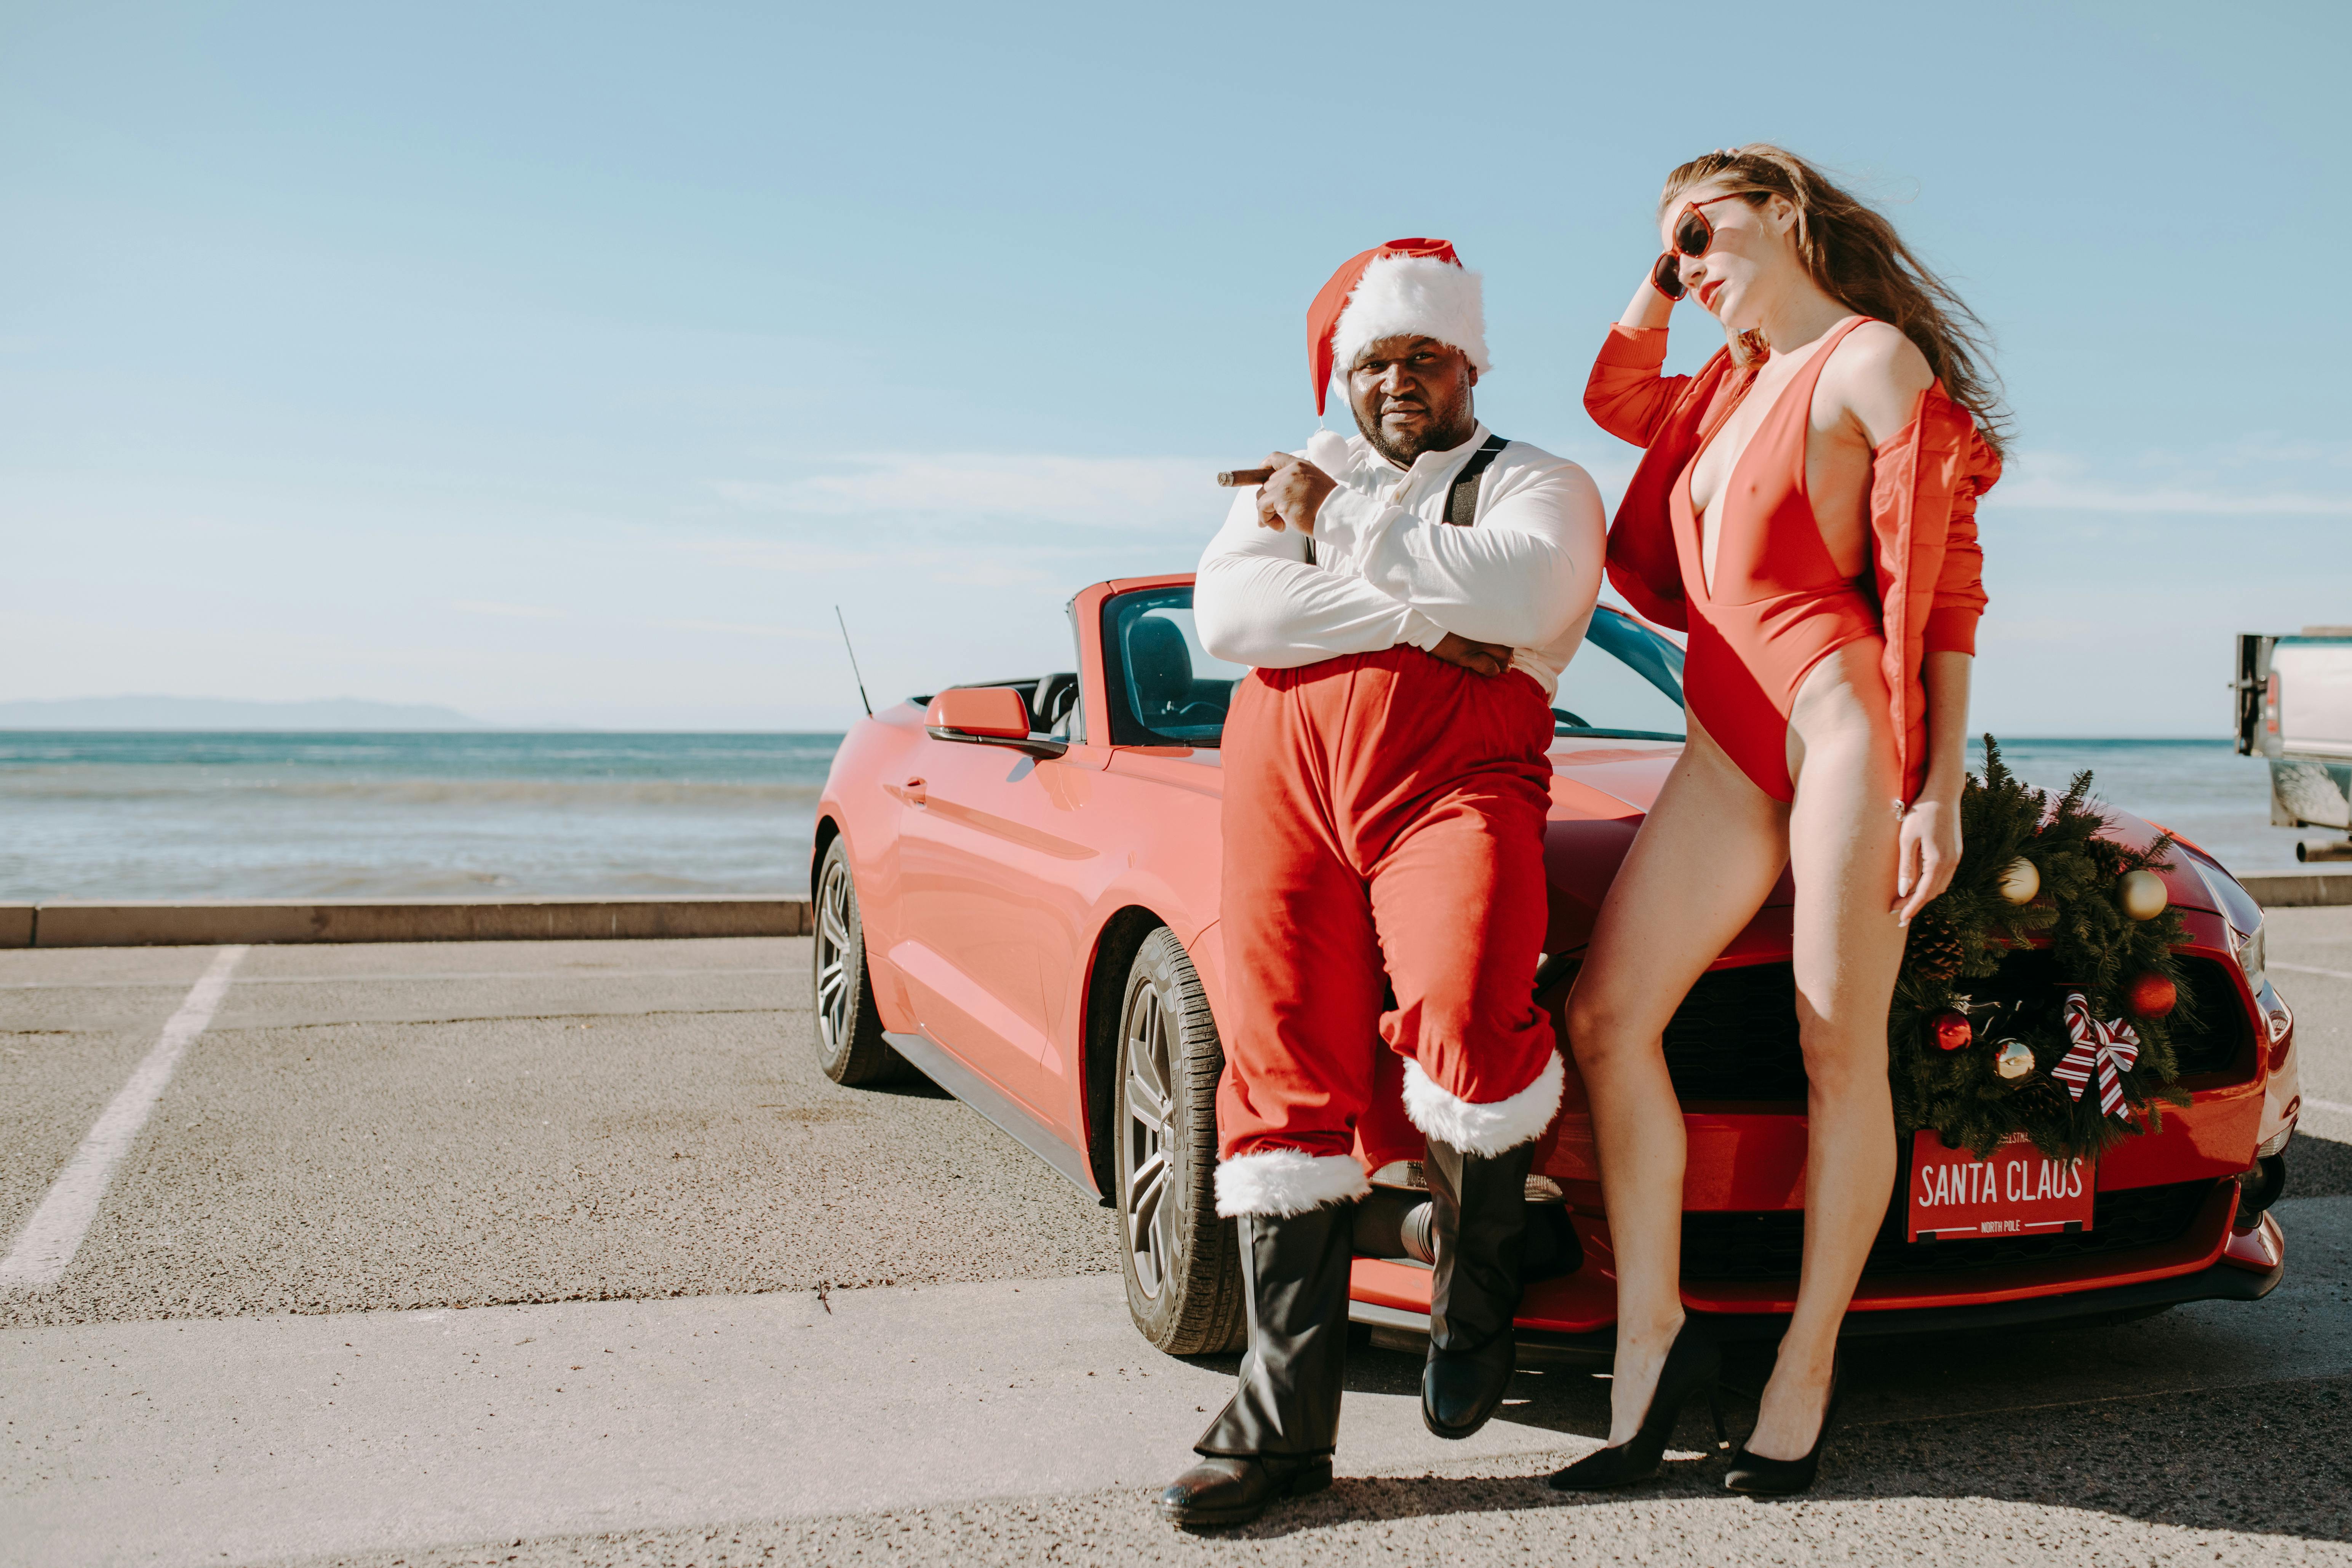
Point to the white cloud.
(782, 556)
(994, 574)
(2248, 480)
(1085, 492)
(988, 564)
(2060, 495)
(510, 612)
(742, 629)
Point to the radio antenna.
(853, 662)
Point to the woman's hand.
(1649, 307)
(1927, 853)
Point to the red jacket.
(1925, 482)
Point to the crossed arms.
(1522, 578)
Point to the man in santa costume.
(1409, 598)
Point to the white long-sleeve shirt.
(1389, 569)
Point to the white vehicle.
(2294, 706)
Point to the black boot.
(1274, 1438)
(1478, 1207)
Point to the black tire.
(849, 1044)
(1183, 1264)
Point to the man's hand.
(1293, 495)
(1477, 658)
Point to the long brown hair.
(1857, 258)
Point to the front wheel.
(849, 1043)
(1183, 1264)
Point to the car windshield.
(1625, 681)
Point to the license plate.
(2017, 1192)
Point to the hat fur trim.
(1412, 296)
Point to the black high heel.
(1694, 1361)
(1759, 1476)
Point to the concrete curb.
(75, 923)
(2298, 890)
(165, 923)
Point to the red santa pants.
(1383, 819)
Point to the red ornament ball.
(1953, 1030)
(2150, 997)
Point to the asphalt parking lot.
(565, 1252)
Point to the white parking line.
(47, 1245)
(2307, 969)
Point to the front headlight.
(2250, 958)
(2239, 914)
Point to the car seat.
(1058, 695)
(1159, 669)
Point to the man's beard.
(1446, 429)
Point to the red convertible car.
(1017, 894)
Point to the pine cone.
(1934, 952)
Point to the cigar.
(1233, 478)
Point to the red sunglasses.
(1693, 235)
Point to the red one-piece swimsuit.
(1778, 605)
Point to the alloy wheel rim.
(832, 959)
(1155, 1196)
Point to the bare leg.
(1705, 859)
(1842, 841)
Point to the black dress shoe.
(1759, 1476)
(1459, 1393)
(1693, 1362)
(1237, 1489)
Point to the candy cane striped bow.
(2112, 1047)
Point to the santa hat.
(1407, 288)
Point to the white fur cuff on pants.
(1487, 1128)
(1279, 1183)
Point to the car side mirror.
(987, 716)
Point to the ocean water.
(2201, 790)
(90, 814)
(162, 816)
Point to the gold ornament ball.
(2014, 1059)
(2020, 881)
(2142, 894)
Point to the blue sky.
(567, 364)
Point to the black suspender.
(1462, 500)
(1462, 497)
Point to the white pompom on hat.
(1407, 288)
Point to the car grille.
(1735, 1036)
(2215, 1038)
(1769, 1245)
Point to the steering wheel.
(1562, 715)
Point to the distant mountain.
(225, 713)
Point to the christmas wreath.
(2039, 991)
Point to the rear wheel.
(1183, 1264)
(849, 1043)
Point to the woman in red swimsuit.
(1805, 509)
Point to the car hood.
(1601, 789)
(1600, 792)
